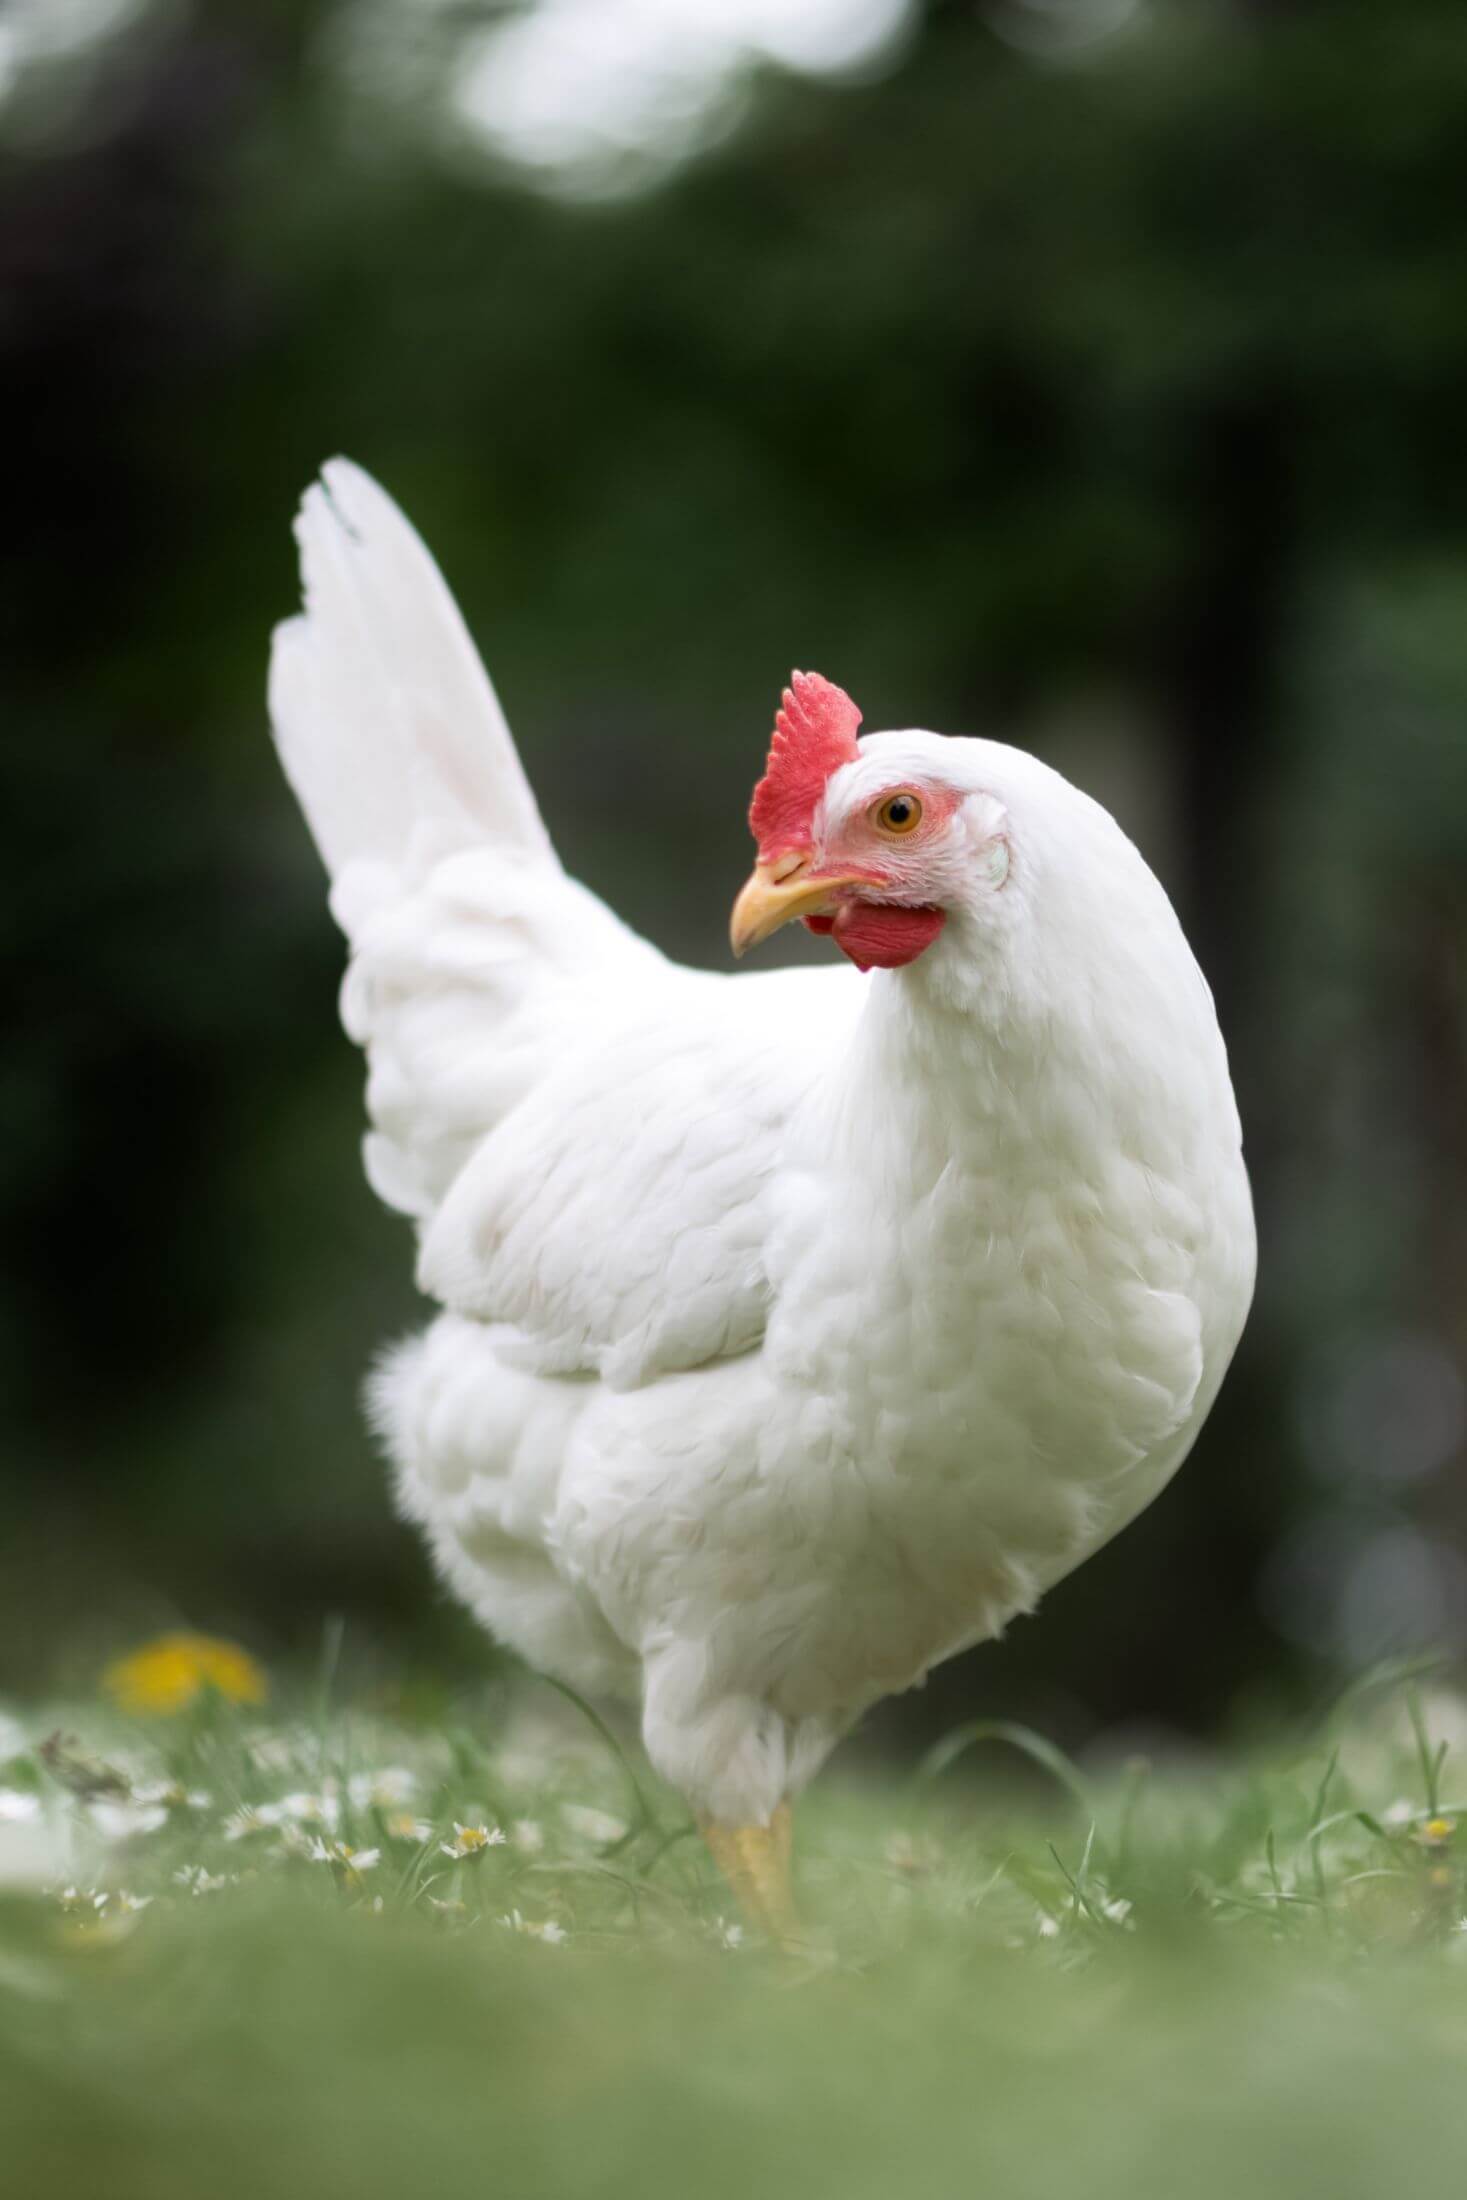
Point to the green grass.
(1245, 1979)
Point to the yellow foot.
(755, 1860)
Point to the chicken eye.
(899, 813)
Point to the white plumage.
(798, 1329)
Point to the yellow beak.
(778, 891)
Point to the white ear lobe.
(988, 824)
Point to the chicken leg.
(755, 1860)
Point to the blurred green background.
(1085, 372)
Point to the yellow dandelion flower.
(172, 1672)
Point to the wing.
(469, 990)
(615, 1222)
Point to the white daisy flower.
(17, 1804)
(388, 1789)
(198, 1881)
(246, 1820)
(342, 1853)
(472, 1840)
(545, 1929)
(172, 1793)
(528, 1836)
(303, 1809)
(87, 1900)
(401, 1825)
(289, 1813)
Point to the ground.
(319, 1947)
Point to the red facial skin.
(885, 935)
(814, 735)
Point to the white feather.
(384, 715)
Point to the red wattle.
(878, 936)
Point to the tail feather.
(385, 719)
(475, 961)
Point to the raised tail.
(386, 721)
(476, 963)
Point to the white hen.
(798, 1329)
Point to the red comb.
(814, 734)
